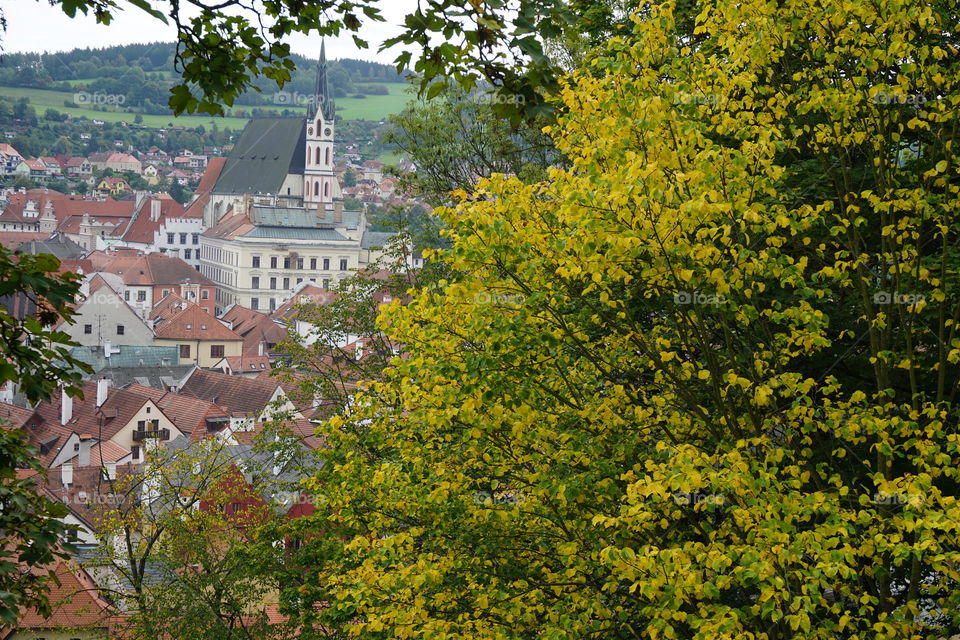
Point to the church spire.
(321, 91)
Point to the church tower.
(319, 180)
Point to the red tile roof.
(13, 239)
(310, 293)
(182, 320)
(148, 270)
(75, 604)
(238, 394)
(255, 327)
(142, 228)
(13, 417)
(63, 206)
(189, 414)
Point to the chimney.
(110, 469)
(66, 474)
(154, 210)
(103, 386)
(140, 197)
(262, 348)
(86, 443)
(338, 212)
(66, 407)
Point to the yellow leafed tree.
(702, 382)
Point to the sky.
(37, 26)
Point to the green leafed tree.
(36, 360)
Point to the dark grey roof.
(128, 356)
(267, 151)
(57, 244)
(295, 233)
(376, 239)
(154, 377)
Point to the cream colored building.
(258, 256)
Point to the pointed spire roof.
(321, 91)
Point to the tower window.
(328, 155)
(318, 155)
(316, 188)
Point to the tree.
(701, 383)
(33, 298)
(190, 542)
(458, 138)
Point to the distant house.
(151, 174)
(78, 166)
(54, 166)
(115, 160)
(10, 159)
(114, 185)
(32, 168)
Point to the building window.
(328, 155)
(169, 238)
(120, 329)
(299, 263)
(135, 451)
(286, 263)
(313, 263)
(186, 253)
(273, 283)
(273, 262)
(286, 283)
(141, 296)
(255, 282)
(183, 238)
(166, 292)
(326, 283)
(126, 296)
(184, 351)
(204, 294)
(299, 280)
(88, 328)
(216, 350)
(273, 304)
(343, 264)
(326, 189)
(326, 264)
(256, 262)
(254, 303)
(196, 238)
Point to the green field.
(41, 99)
(369, 108)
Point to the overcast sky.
(37, 26)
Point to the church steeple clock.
(319, 180)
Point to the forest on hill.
(144, 73)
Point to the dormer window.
(189, 326)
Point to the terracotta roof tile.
(14, 417)
(238, 394)
(178, 319)
(189, 414)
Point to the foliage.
(188, 540)
(700, 384)
(36, 358)
(457, 138)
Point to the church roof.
(268, 150)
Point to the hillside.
(116, 83)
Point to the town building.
(201, 338)
(275, 215)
